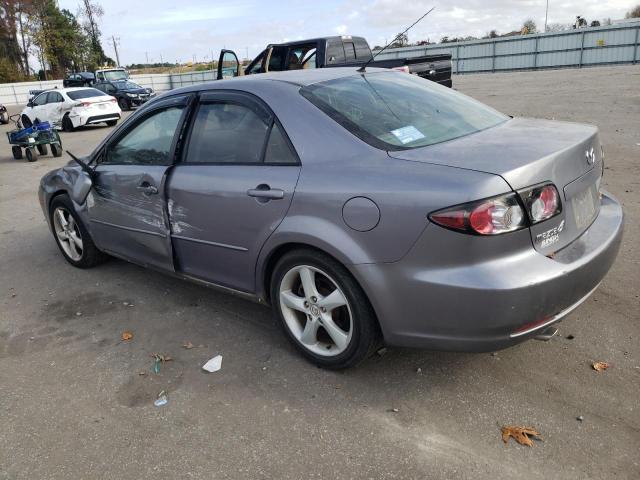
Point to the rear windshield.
(85, 93)
(396, 111)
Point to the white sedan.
(69, 108)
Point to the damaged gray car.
(365, 208)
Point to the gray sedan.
(365, 208)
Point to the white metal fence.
(572, 48)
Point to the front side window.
(40, 100)
(149, 142)
(395, 111)
(257, 65)
(226, 132)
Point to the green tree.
(528, 27)
(12, 66)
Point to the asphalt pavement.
(77, 402)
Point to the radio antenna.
(364, 67)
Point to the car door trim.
(207, 242)
(130, 229)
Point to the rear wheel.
(112, 123)
(56, 150)
(67, 124)
(323, 310)
(32, 156)
(72, 237)
(42, 149)
(17, 152)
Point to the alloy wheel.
(316, 310)
(68, 233)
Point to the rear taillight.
(492, 216)
(113, 100)
(82, 104)
(541, 202)
(404, 68)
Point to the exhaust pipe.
(546, 334)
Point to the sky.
(179, 31)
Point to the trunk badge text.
(551, 236)
(591, 156)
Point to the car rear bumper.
(91, 118)
(490, 299)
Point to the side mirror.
(81, 187)
(30, 103)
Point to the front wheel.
(4, 118)
(31, 154)
(323, 310)
(42, 149)
(56, 149)
(123, 104)
(17, 152)
(26, 121)
(72, 237)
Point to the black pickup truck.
(339, 51)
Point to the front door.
(54, 108)
(231, 190)
(127, 206)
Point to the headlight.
(132, 95)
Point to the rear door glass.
(335, 52)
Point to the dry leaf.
(188, 345)
(126, 335)
(162, 358)
(522, 435)
(600, 366)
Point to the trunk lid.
(527, 152)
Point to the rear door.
(231, 190)
(54, 108)
(127, 205)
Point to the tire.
(26, 121)
(56, 150)
(17, 152)
(87, 254)
(4, 118)
(112, 123)
(42, 149)
(67, 124)
(351, 319)
(123, 103)
(31, 154)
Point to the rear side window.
(335, 52)
(55, 97)
(278, 150)
(84, 93)
(349, 51)
(362, 49)
(395, 111)
(225, 132)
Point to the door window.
(226, 132)
(277, 58)
(229, 65)
(349, 51)
(54, 97)
(335, 52)
(257, 64)
(40, 100)
(299, 55)
(149, 142)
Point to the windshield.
(396, 111)
(113, 75)
(126, 85)
(85, 93)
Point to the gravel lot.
(73, 404)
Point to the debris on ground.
(418, 370)
(187, 345)
(156, 365)
(161, 400)
(126, 336)
(162, 358)
(213, 365)
(570, 337)
(394, 410)
(580, 418)
(78, 314)
(600, 366)
(382, 351)
(522, 435)
(142, 374)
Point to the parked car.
(337, 51)
(69, 108)
(4, 115)
(127, 93)
(364, 207)
(80, 79)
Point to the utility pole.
(161, 61)
(146, 54)
(115, 42)
(247, 50)
(546, 15)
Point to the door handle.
(147, 189)
(266, 192)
